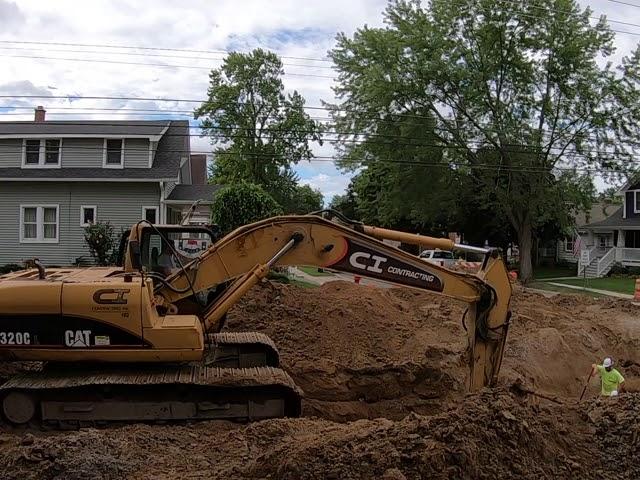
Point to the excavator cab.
(179, 243)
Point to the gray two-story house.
(56, 177)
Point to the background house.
(615, 239)
(57, 176)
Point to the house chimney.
(198, 169)
(40, 112)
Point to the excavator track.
(241, 350)
(70, 398)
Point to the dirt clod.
(384, 375)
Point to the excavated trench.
(384, 373)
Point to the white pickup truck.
(443, 258)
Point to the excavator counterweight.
(135, 343)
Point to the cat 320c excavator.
(129, 343)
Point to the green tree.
(242, 203)
(259, 131)
(99, 238)
(304, 200)
(524, 81)
(346, 204)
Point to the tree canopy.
(507, 98)
(258, 131)
(242, 203)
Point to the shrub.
(10, 267)
(99, 238)
(242, 203)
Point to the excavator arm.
(245, 256)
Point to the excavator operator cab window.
(163, 251)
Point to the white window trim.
(95, 214)
(39, 224)
(566, 242)
(144, 212)
(635, 202)
(104, 155)
(42, 154)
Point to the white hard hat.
(607, 362)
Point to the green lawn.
(554, 272)
(565, 290)
(302, 283)
(313, 271)
(621, 285)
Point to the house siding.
(136, 153)
(563, 255)
(119, 203)
(10, 153)
(82, 152)
(630, 205)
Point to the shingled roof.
(172, 147)
(191, 193)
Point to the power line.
(145, 150)
(119, 62)
(555, 10)
(132, 47)
(625, 3)
(146, 55)
(446, 164)
(323, 134)
(182, 100)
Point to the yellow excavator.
(134, 343)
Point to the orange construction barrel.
(357, 278)
(636, 293)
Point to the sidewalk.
(332, 277)
(593, 290)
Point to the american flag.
(577, 244)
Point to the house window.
(41, 153)
(113, 153)
(88, 215)
(150, 214)
(52, 152)
(568, 244)
(636, 202)
(39, 223)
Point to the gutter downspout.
(163, 207)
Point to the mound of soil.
(365, 352)
(384, 374)
(361, 352)
(492, 434)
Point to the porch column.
(619, 245)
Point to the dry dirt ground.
(383, 373)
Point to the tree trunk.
(525, 244)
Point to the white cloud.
(292, 28)
(329, 184)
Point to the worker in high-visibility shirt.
(611, 379)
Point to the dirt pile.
(493, 434)
(388, 365)
(361, 352)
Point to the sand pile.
(384, 375)
(493, 434)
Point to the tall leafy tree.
(517, 88)
(257, 130)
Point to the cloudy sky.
(301, 32)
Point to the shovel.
(586, 384)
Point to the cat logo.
(111, 296)
(77, 338)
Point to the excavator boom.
(133, 344)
